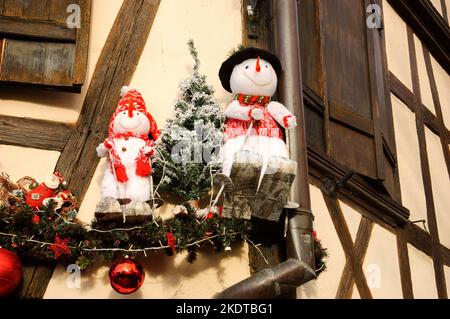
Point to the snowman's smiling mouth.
(257, 83)
(131, 127)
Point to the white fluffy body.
(245, 79)
(266, 147)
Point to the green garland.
(51, 237)
(46, 237)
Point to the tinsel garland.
(51, 237)
(45, 237)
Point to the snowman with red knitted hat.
(126, 187)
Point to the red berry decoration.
(126, 276)
(10, 272)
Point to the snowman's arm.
(102, 150)
(282, 115)
(238, 112)
(149, 148)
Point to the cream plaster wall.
(15, 161)
(408, 155)
(443, 86)
(437, 4)
(424, 81)
(447, 4)
(355, 294)
(441, 185)
(325, 287)
(166, 277)
(57, 106)
(397, 45)
(381, 265)
(352, 217)
(164, 63)
(422, 274)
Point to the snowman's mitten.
(257, 114)
(281, 114)
(148, 150)
(124, 90)
(290, 122)
(237, 111)
(102, 151)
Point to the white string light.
(139, 250)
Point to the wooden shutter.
(348, 114)
(37, 46)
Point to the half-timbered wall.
(386, 229)
(370, 258)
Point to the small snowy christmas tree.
(187, 154)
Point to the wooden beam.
(345, 289)
(34, 133)
(359, 190)
(345, 238)
(445, 11)
(115, 68)
(407, 97)
(257, 33)
(36, 29)
(426, 175)
(438, 108)
(82, 50)
(405, 269)
(401, 91)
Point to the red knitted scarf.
(253, 99)
(143, 166)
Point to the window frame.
(43, 32)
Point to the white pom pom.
(124, 90)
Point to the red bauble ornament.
(126, 276)
(10, 272)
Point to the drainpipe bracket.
(330, 187)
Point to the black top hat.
(240, 56)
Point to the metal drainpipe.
(283, 279)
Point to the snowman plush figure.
(130, 144)
(252, 76)
(254, 123)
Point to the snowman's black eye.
(246, 67)
(124, 113)
(267, 66)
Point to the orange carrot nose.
(258, 66)
(130, 109)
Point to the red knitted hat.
(133, 101)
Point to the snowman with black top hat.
(255, 156)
